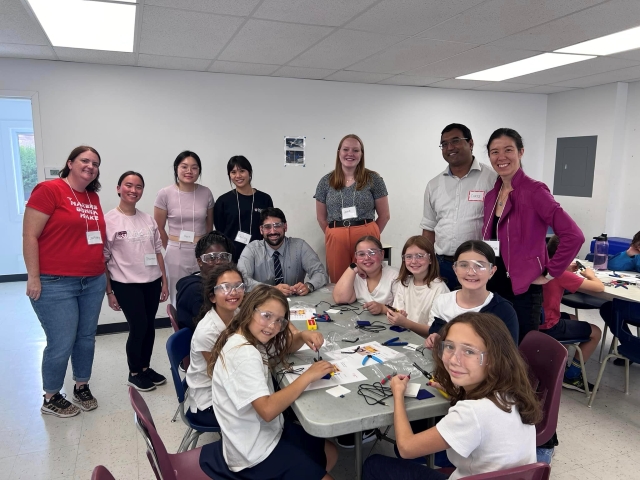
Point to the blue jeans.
(68, 310)
(446, 272)
(380, 467)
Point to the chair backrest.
(546, 358)
(173, 317)
(101, 473)
(624, 312)
(143, 415)
(534, 471)
(178, 347)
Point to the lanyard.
(253, 197)
(194, 209)
(354, 196)
(133, 226)
(88, 198)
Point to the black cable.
(375, 327)
(357, 309)
(374, 393)
(280, 375)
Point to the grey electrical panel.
(575, 163)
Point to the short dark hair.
(476, 246)
(213, 238)
(126, 174)
(181, 157)
(272, 212)
(552, 245)
(75, 153)
(636, 239)
(242, 162)
(506, 132)
(458, 126)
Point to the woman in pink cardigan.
(517, 214)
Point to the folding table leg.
(357, 441)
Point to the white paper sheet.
(300, 313)
(343, 376)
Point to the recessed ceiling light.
(614, 43)
(94, 25)
(524, 67)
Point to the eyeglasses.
(187, 168)
(476, 266)
(464, 353)
(267, 319)
(372, 252)
(454, 142)
(227, 288)
(215, 257)
(272, 226)
(421, 257)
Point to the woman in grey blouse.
(347, 201)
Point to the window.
(24, 164)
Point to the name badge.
(94, 237)
(495, 244)
(150, 259)
(349, 212)
(243, 237)
(187, 236)
(476, 196)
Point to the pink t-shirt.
(552, 293)
(185, 210)
(129, 239)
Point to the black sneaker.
(83, 398)
(154, 376)
(141, 382)
(59, 406)
(576, 384)
(346, 441)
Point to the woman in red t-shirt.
(63, 235)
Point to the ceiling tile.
(623, 75)
(172, 63)
(408, 17)
(409, 55)
(178, 33)
(223, 7)
(412, 81)
(548, 89)
(18, 26)
(344, 48)
(242, 68)
(315, 12)
(472, 61)
(357, 77)
(458, 84)
(303, 72)
(575, 70)
(262, 41)
(495, 19)
(503, 87)
(95, 56)
(40, 52)
(600, 20)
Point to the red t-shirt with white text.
(552, 293)
(63, 246)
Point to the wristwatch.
(310, 286)
(353, 266)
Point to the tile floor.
(597, 443)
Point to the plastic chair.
(630, 321)
(582, 301)
(546, 358)
(533, 471)
(179, 345)
(173, 317)
(170, 466)
(576, 343)
(624, 345)
(101, 473)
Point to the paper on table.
(370, 348)
(300, 313)
(343, 375)
(412, 390)
(338, 391)
(411, 346)
(332, 311)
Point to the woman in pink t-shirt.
(136, 277)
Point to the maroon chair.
(547, 359)
(173, 315)
(171, 466)
(534, 471)
(101, 473)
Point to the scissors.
(370, 356)
(392, 342)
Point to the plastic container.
(601, 252)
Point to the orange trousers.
(340, 243)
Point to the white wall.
(142, 118)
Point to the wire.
(374, 393)
(357, 308)
(280, 375)
(375, 327)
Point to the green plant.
(29, 169)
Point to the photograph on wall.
(294, 151)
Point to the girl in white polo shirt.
(223, 294)
(256, 441)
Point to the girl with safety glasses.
(491, 423)
(256, 441)
(223, 293)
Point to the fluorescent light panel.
(538, 63)
(87, 24)
(614, 43)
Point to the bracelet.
(110, 293)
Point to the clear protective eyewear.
(420, 257)
(272, 226)
(215, 257)
(267, 319)
(476, 266)
(227, 287)
(464, 353)
(454, 142)
(372, 252)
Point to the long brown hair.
(276, 348)
(209, 283)
(363, 176)
(507, 381)
(94, 186)
(425, 245)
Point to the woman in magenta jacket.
(517, 214)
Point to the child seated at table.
(563, 326)
(256, 441)
(491, 423)
(223, 293)
(367, 280)
(628, 260)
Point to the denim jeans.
(446, 272)
(68, 310)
